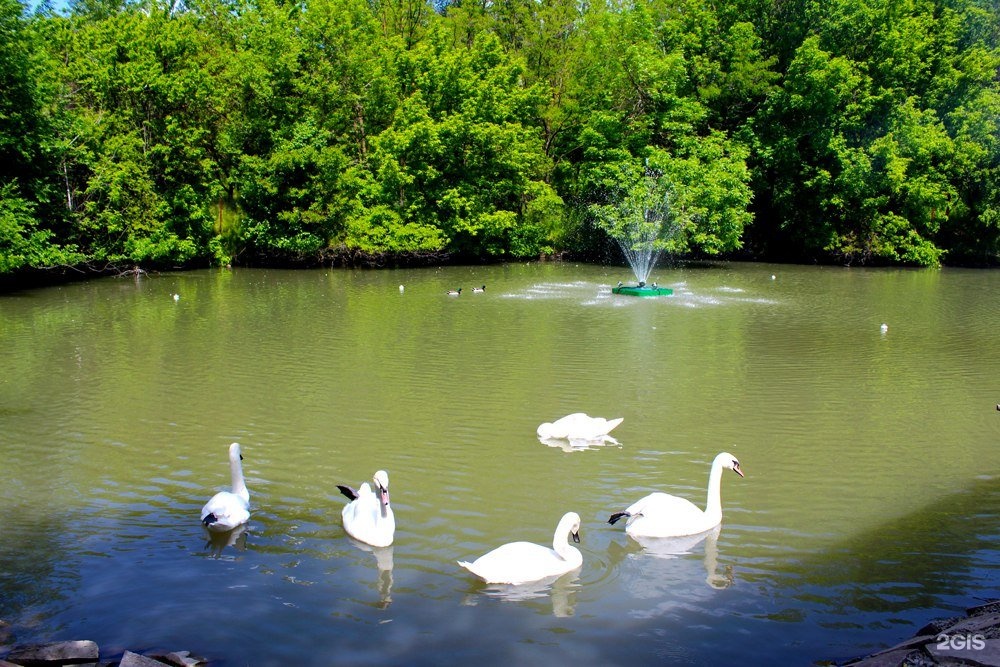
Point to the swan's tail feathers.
(348, 491)
(612, 423)
(466, 565)
(209, 519)
(613, 519)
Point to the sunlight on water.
(599, 294)
(870, 503)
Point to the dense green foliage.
(158, 133)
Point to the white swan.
(578, 426)
(522, 562)
(368, 517)
(664, 515)
(228, 509)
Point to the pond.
(871, 501)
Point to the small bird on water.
(455, 292)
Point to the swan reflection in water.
(217, 541)
(561, 589)
(384, 564)
(580, 444)
(667, 549)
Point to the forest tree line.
(172, 133)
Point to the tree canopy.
(172, 133)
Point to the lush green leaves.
(170, 134)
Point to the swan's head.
(381, 480)
(729, 461)
(234, 452)
(544, 430)
(571, 523)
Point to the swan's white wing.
(564, 427)
(518, 563)
(578, 426)
(664, 515)
(225, 511)
(661, 504)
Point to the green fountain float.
(642, 289)
(640, 223)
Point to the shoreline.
(973, 639)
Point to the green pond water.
(871, 502)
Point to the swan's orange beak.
(736, 469)
(576, 537)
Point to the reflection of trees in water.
(37, 567)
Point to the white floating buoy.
(884, 327)
(400, 288)
(772, 276)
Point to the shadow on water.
(877, 588)
(33, 567)
(921, 555)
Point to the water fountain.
(639, 222)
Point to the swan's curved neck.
(565, 551)
(561, 545)
(713, 504)
(239, 484)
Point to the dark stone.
(988, 608)
(977, 635)
(889, 658)
(939, 625)
(895, 655)
(130, 659)
(984, 653)
(976, 624)
(179, 658)
(55, 653)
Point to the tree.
(460, 157)
(30, 218)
